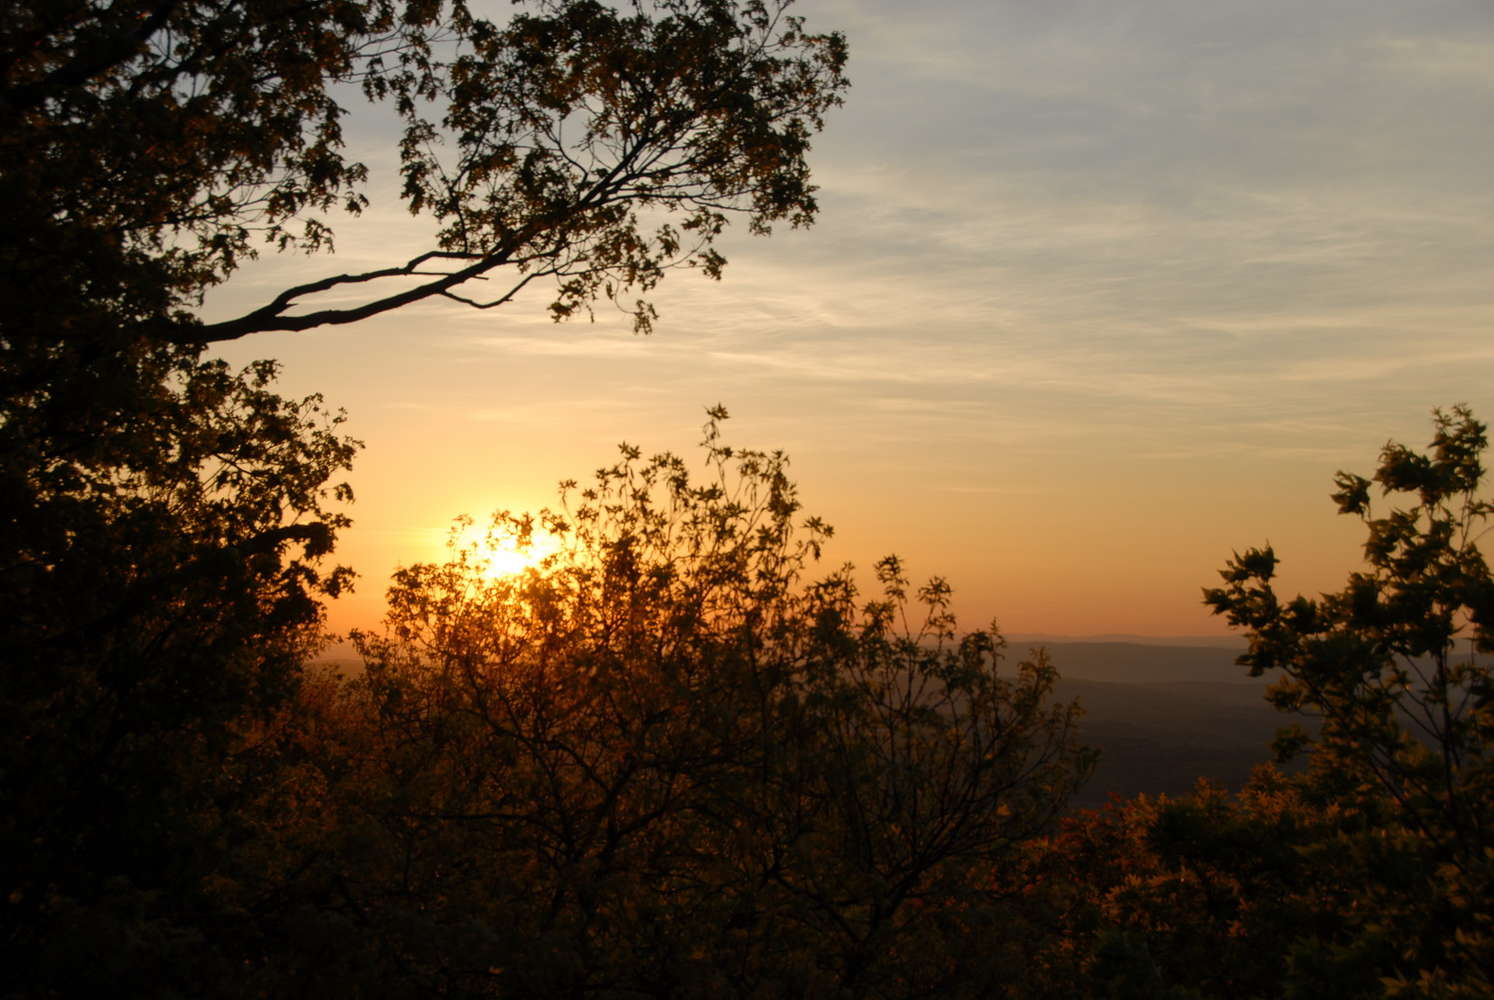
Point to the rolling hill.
(1163, 716)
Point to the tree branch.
(271, 317)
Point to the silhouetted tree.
(1404, 708)
(163, 520)
(149, 145)
(156, 605)
(1395, 667)
(1368, 872)
(1213, 894)
(680, 767)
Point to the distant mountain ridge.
(1197, 641)
(1139, 663)
(1162, 715)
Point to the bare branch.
(272, 316)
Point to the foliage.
(1405, 711)
(684, 768)
(1368, 872)
(165, 520)
(147, 146)
(1214, 894)
(161, 584)
(1395, 666)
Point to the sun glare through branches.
(502, 549)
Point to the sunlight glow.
(503, 553)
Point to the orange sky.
(1096, 296)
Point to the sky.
(1099, 292)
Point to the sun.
(508, 558)
(504, 553)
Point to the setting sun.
(503, 549)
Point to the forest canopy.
(687, 766)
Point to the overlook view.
(746, 498)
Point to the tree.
(148, 144)
(1213, 894)
(683, 767)
(1395, 667)
(158, 605)
(164, 520)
